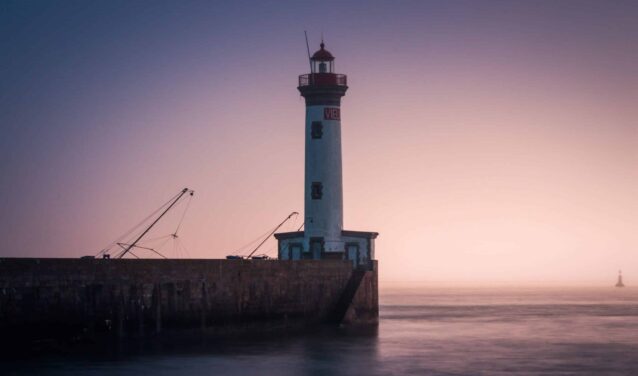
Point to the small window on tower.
(317, 129)
(316, 190)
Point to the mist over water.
(505, 331)
(423, 331)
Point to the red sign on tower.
(332, 113)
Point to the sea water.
(422, 331)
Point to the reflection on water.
(422, 332)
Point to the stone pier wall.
(87, 298)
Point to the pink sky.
(486, 143)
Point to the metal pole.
(273, 231)
(152, 224)
(312, 77)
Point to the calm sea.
(428, 331)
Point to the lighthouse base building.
(323, 236)
(356, 246)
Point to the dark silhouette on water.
(619, 283)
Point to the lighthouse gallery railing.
(323, 79)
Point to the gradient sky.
(487, 141)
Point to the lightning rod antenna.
(308, 48)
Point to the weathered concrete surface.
(364, 306)
(90, 298)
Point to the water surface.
(424, 331)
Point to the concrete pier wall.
(86, 298)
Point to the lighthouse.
(324, 236)
(323, 197)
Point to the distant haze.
(492, 141)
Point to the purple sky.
(486, 141)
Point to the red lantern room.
(322, 71)
(322, 61)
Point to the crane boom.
(134, 243)
(273, 231)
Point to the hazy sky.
(485, 140)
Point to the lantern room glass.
(322, 66)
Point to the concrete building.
(323, 236)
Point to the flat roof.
(288, 235)
(360, 234)
(354, 234)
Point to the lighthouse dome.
(322, 54)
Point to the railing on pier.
(323, 79)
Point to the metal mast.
(273, 231)
(182, 193)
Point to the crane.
(127, 247)
(234, 257)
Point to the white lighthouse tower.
(323, 183)
(323, 236)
